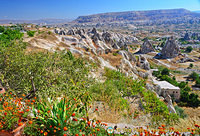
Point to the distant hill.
(39, 21)
(150, 15)
(197, 11)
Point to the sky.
(71, 9)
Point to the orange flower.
(54, 131)
(20, 124)
(65, 135)
(76, 134)
(45, 133)
(88, 122)
(98, 129)
(30, 122)
(41, 131)
(65, 128)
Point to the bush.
(197, 83)
(190, 99)
(156, 73)
(115, 54)
(165, 71)
(194, 76)
(47, 72)
(180, 112)
(189, 49)
(31, 33)
(191, 65)
(2, 29)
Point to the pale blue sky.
(37, 9)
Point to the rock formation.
(171, 49)
(70, 32)
(143, 63)
(146, 47)
(186, 37)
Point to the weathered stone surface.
(115, 46)
(107, 38)
(127, 55)
(171, 49)
(94, 31)
(146, 47)
(183, 60)
(143, 63)
(186, 37)
(170, 104)
(143, 75)
(71, 32)
(62, 32)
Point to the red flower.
(75, 119)
(65, 128)
(73, 114)
(76, 134)
(5, 113)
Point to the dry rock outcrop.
(171, 49)
(146, 47)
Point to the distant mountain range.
(151, 15)
(197, 11)
(39, 21)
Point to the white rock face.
(92, 39)
(106, 64)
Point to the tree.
(197, 83)
(194, 76)
(165, 71)
(2, 29)
(191, 65)
(189, 49)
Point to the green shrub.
(180, 112)
(191, 65)
(50, 73)
(156, 73)
(2, 29)
(115, 54)
(197, 82)
(31, 33)
(189, 49)
(165, 71)
(194, 76)
(191, 100)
